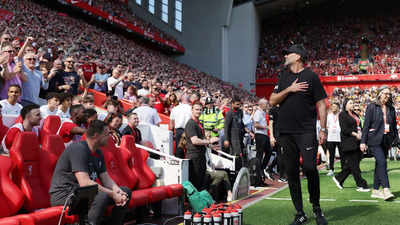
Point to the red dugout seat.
(29, 158)
(50, 126)
(52, 147)
(117, 167)
(139, 164)
(11, 197)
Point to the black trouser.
(263, 149)
(381, 178)
(280, 160)
(98, 207)
(179, 153)
(351, 165)
(331, 147)
(197, 171)
(305, 145)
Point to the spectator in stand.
(72, 129)
(69, 80)
(55, 74)
(178, 119)
(144, 91)
(53, 101)
(158, 99)
(131, 128)
(131, 94)
(100, 77)
(234, 129)
(31, 120)
(10, 106)
(114, 122)
(172, 102)
(88, 102)
(146, 113)
(65, 104)
(115, 84)
(11, 71)
(35, 80)
(91, 115)
(111, 107)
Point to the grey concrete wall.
(142, 12)
(243, 37)
(203, 21)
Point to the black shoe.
(300, 219)
(319, 217)
(391, 158)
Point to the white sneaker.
(361, 189)
(268, 175)
(337, 183)
(330, 173)
(377, 194)
(387, 195)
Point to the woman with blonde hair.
(378, 135)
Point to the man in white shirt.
(147, 114)
(263, 146)
(115, 82)
(10, 106)
(53, 100)
(333, 139)
(180, 115)
(144, 91)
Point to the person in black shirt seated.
(131, 128)
(196, 148)
(81, 164)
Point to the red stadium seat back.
(139, 162)
(52, 147)
(50, 126)
(174, 190)
(11, 198)
(25, 153)
(117, 168)
(22, 219)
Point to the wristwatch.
(324, 130)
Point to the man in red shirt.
(158, 100)
(72, 129)
(31, 120)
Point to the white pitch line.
(357, 200)
(288, 199)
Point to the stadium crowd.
(334, 43)
(57, 35)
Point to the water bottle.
(240, 212)
(235, 217)
(197, 219)
(207, 220)
(187, 218)
(227, 218)
(217, 219)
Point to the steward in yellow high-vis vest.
(212, 119)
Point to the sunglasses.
(69, 61)
(30, 59)
(9, 51)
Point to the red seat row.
(32, 167)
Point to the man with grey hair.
(180, 115)
(146, 113)
(263, 146)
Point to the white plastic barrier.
(161, 138)
(171, 170)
